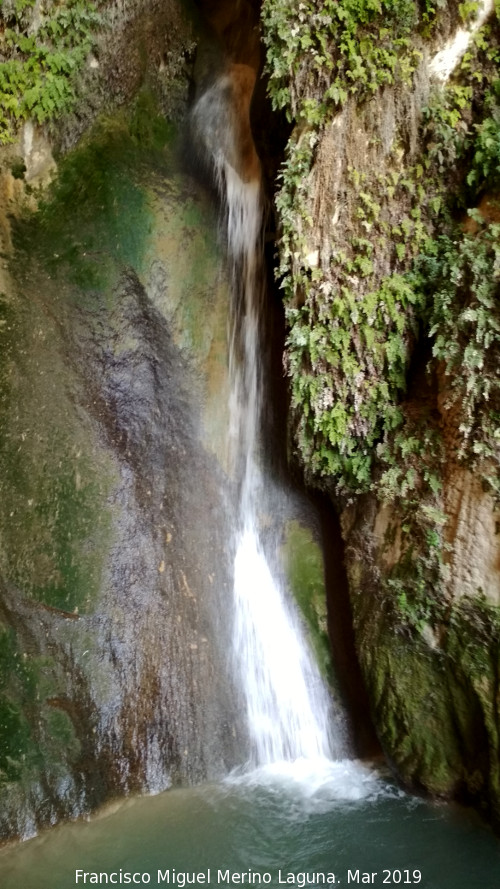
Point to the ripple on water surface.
(306, 818)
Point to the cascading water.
(288, 706)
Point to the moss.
(434, 703)
(303, 562)
(17, 690)
(408, 687)
(54, 530)
(8, 330)
(15, 737)
(60, 729)
(95, 218)
(474, 649)
(35, 732)
(94, 222)
(150, 131)
(58, 467)
(414, 716)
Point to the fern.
(37, 76)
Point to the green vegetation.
(399, 269)
(53, 527)
(464, 278)
(319, 54)
(35, 733)
(353, 324)
(410, 468)
(413, 711)
(479, 70)
(92, 222)
(436, 706)
(347, 397)
(40, 56)
(15, 733)
(58, 559)
(118, 206)
(303, 561)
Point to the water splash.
(287, 704)
(318, 785)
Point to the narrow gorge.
(249, 443)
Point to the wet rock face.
(432, 694)
(114, 614)
(168, 716)
(236, 27)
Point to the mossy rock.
(107, 382)
(304, 568)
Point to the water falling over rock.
(288, 707)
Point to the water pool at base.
(275, 826)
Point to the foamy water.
(317, 783)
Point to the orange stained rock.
(489, 208)
(243, 78)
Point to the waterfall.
(444, 62)
(288, 706)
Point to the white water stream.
(444, 62)
(288, 706)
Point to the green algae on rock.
(104, 451)
(303, 562)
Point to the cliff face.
(113, 634)
(392, 354)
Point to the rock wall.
(63, 66)
(386, 413)
(114, 618)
